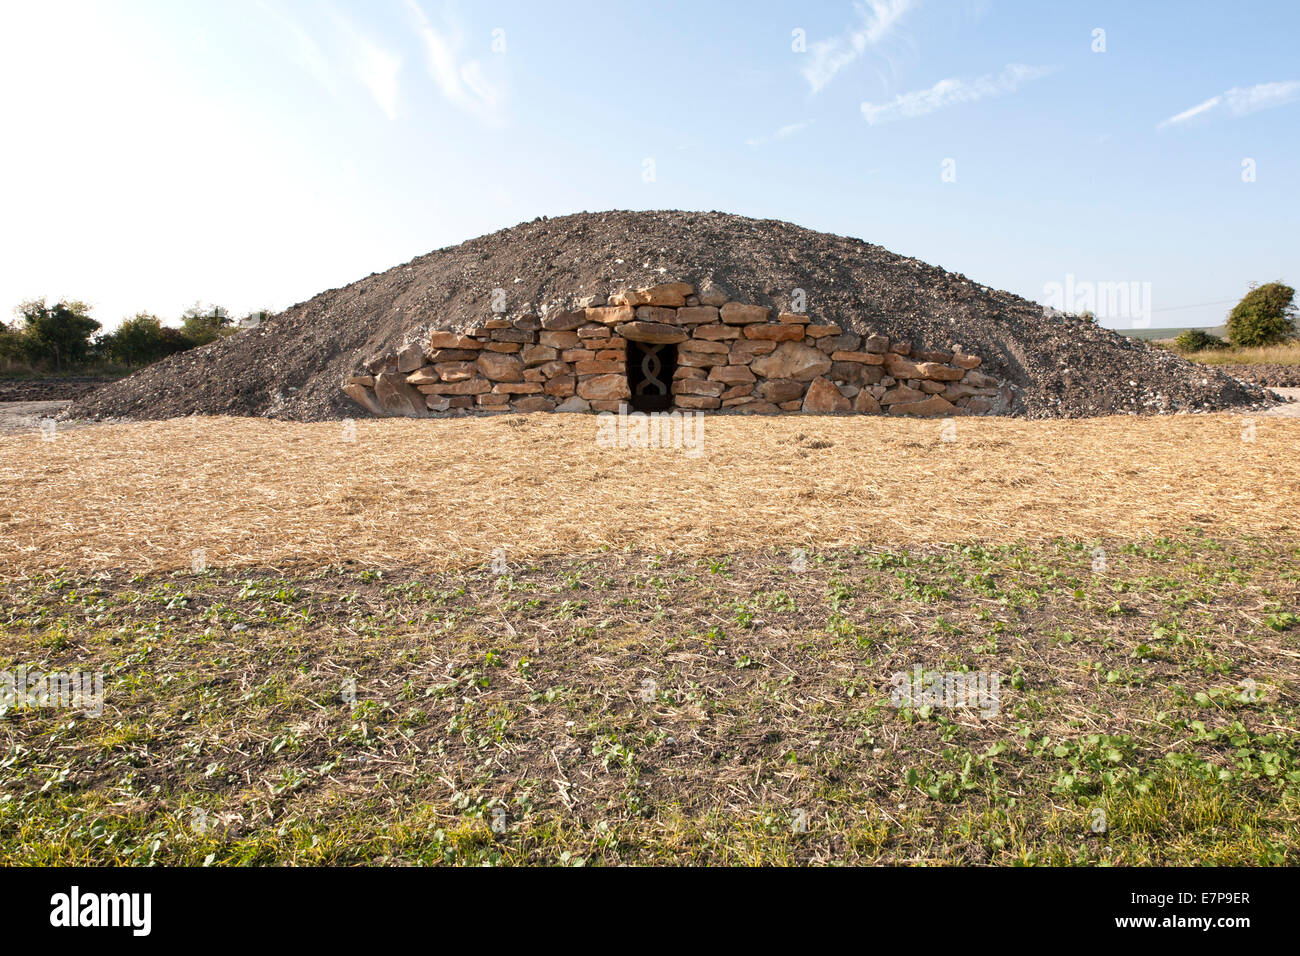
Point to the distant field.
(1288, 354)
(1149, 335)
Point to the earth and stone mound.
(407, 340)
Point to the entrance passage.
(650, 371)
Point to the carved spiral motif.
(650, 368)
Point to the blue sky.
(255, 152)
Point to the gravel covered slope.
(293, 365)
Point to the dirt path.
(17, 418)
(1289, 410)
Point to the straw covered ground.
(1060, 642)
(448, 494)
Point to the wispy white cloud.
(304, 51)
(377, 69)
(464, 83)
(351, 52)
(952, 92)
(785, 132)
(1239, 101)
(876, 18)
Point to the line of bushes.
(62, 336)
(1264, 316)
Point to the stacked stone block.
(731, 357)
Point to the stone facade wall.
(730, 356)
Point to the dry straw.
(434, 494)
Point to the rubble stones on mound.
(667, 294)
(294, 364)
(730, 356)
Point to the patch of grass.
(1287, 354)
(631, 708)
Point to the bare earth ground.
(314, 652)
(24, 418)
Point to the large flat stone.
(823, 398)
(774, 332)
(792, 360)
(737, 313)
(365, 397)
(610, 315)
(654, 333)
(396, 397)
(501, 367)
(604, 388)
(933, 406)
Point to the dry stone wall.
(728, 356)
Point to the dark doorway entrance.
(650, 371)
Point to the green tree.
(12, 346)
(143, 339)
(202, 324)
(59, 333)
(1197, 340)
(1264, 316)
